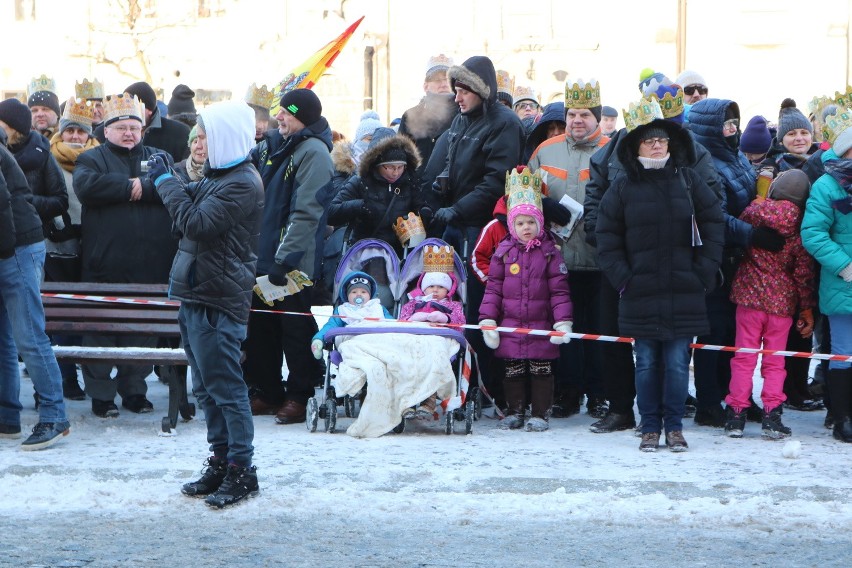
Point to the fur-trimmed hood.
(681, 147)
(477, 73)
(341, 157)
(371, 157)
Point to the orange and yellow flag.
(306, 75)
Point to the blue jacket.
(827, 235)
(737, 175)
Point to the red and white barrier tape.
(521, 330)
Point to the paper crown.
(505, 83)
(89, 89)
(844, 100)
(438, 63)
(836, 123)
(522, 92)
(523, 187)
(78, 111)
(582, 94)
(43, 83)
(260, 96)
(410, 230)
(438, 258)
(642, 112)
(817, 104)
(121, 106)
(671, 106)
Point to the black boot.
(515, 390)
(211, 478)
(840, 387)
(541, 399)
(240, 482)
(71, 388)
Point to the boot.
(514, 390)
(541, 395)
(71, 388)
(840, 387)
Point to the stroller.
(378, 259)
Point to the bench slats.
(125, 355)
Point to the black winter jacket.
(7, 222)
(27, 223)
(44, 176)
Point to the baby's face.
(358, 296)
(437, 292)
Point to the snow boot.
(211, 478)
(840, 389)
(736, 422)
(514, 390)
(773, 428)
(240, 483)
(541, 395)
(71, 388)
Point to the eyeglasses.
(651, 142)
(731, 124)
(690, 89)
(532, 106)
(125, 128)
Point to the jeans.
(212, 340)
(841, 339)
(22, 332)
(662, 382)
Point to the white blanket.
(400, 369)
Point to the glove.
(554, 212)
(158, 165)
(491, 337)
(426, 214)
(805, 325)
(564, 326)
(437, 317)
(767, 239)
(444, 216)
(419, 316)
(278, 274)
(316, 348)
(846, 273)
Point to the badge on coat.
(563, 268)
(514, 268)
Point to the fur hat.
(304, 104)
(368, 124)
(791, 118)
(791, 185)
(16, 114)
(441, 279)
(181, 101)
(45, 99)
(756, 138)
(145, 93)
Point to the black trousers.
(617, 368)
(578, 369)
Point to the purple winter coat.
(529, 290)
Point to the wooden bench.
(123, 311)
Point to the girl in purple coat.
(527, 287)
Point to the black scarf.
(841, 170)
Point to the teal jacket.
(827, 235)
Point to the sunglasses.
(532, 106)
(690, 89)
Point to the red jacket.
(489, 238)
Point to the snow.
(109, 494)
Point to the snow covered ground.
(108, 495)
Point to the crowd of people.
(682, 225)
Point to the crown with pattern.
(671, 106)
(816, 104)
(121, 106)
(43, 83)
(844, 100)
(260, 96)
(523, 187)
(89, 90)
(410, 230)
(523, 92)
(836, 123)
(582, 94)
(505, 82)
(438, 258)
(438, 63)
(642, 112)
(78, 111)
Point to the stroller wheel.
(449, 425)
(468, 416)
(330, 415)
(312, 415)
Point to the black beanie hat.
(304, 104)
(16, 114)
(45, 99)
(145, 93)
(181, 101)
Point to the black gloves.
(158, 164)
(278, 274)
(554, 212)
(766, 238)
(426, 215)
(444, 215)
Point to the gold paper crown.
(260, 96)
(78, 111)
(89, 89)
(844, 100)
(671, 106)
(523, 187)
(438, 258)
(522, 92)
(43, 83)
(816, 104)
(642, 112)
(438, 63)
(582, 94)
(409, 229)
(836, 123)
(122, 106)
(505, 83)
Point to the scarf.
(195, 171)
(841, 171)
(654, 163)
(352, 313)
(67, 154)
